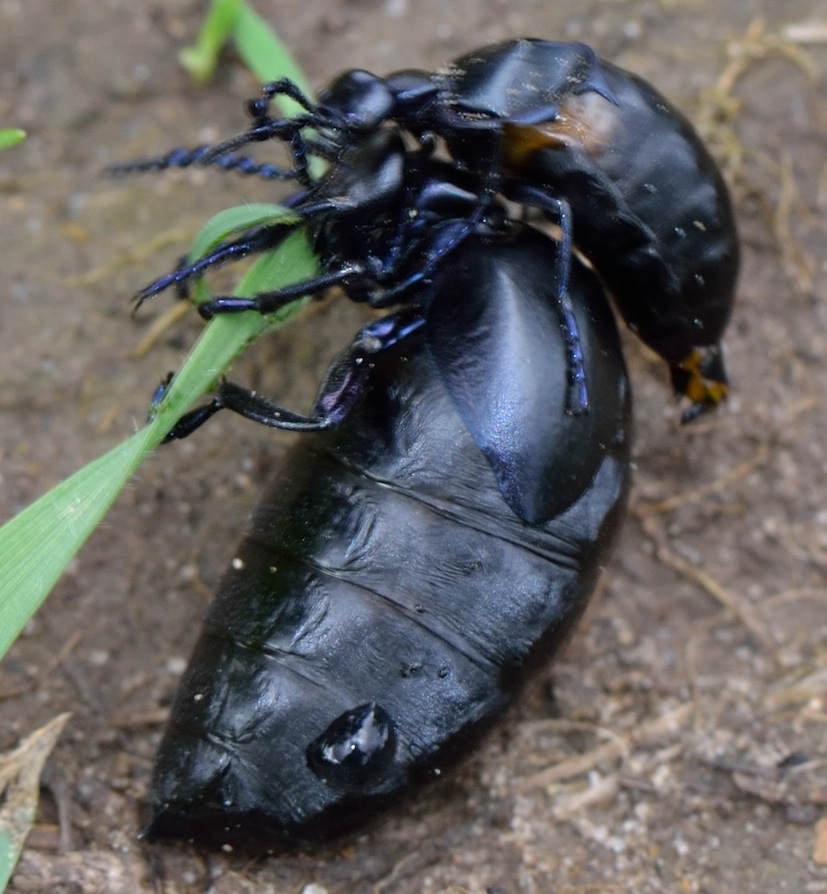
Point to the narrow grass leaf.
(37, 544)
(11, 136)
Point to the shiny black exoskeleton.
(384, 222)
(553, 126)
(649, 206)
(397, 579)
(462, 474)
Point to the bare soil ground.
(684, 747)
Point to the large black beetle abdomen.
(650, 208)
(387, 598)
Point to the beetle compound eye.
(355, 750)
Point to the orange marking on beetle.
(700, 389)
(586, 121)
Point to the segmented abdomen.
(383, 567)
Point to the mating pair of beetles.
(462, 475)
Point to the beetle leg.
(191, 421)
(343, 385)
(288, 129)
(283, 87)
(260, 409)
(344, 382)
(249, 405)
(159, 394)
(257, 240)
(577, 396)
(577, 400)
(450, 235)
(342, 388)
(254, 241)
(270, 302)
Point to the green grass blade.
(9, 855)
(240, 217)
(11, 136)
(258, 45)
(265, 55)
(201, 58)
(229, 222)
(260, 48)
(37, 544)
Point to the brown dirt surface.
(684, 747)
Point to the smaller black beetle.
(553, 126)
(385, 222)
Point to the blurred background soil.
(683, 745)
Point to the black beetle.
(382, 220)
(393, 586)
(553, 126)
